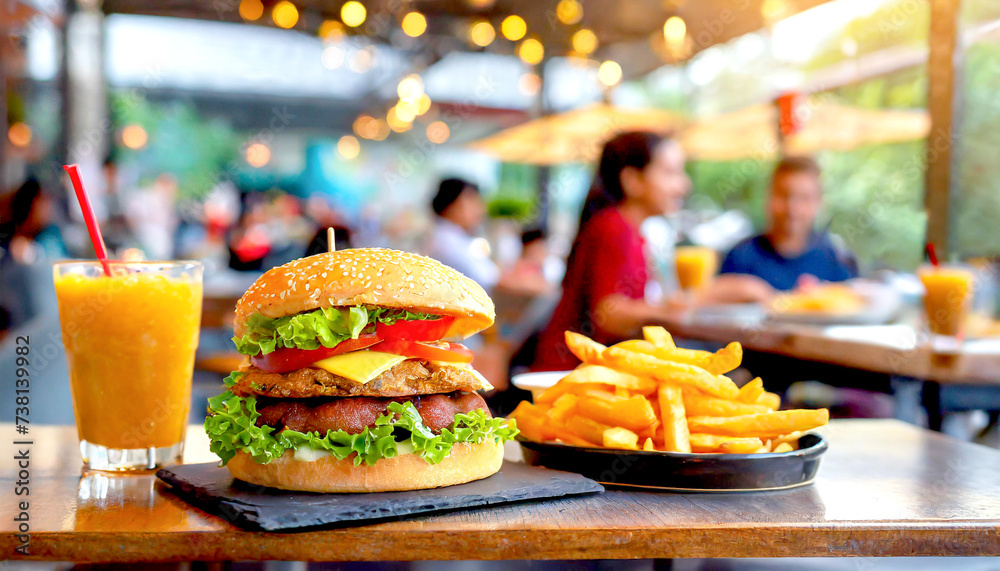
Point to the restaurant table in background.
(885, 488)
(893, 349)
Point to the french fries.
(675, 429)
(698, 403)
(648, 394)
(585, 348)
(671, 372)
(765, 424)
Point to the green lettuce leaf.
(232, 427)
(324, 327)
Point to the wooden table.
(814, 343)
(885, 488)
(898, 357)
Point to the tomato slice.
(440, 351)
(415, 330)
(290, 359)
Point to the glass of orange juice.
(695, 266)
(130, 340)
(947, 297)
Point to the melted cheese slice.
(360, 366)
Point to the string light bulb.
(134, 137)
(482, 33)
(610, 73)
(349, 147)
(438, 132)
(569, 11)
(531, 51)
(251, 10)
(353, 13)
(414, 24)
(584, 41)
(257, 155)
(674, 30)
(513, 28)
(285, 14)
(19, 134)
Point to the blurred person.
(30, 243)
(453, 241)
(249, 239)
(640, 175)
(30, 231)
(152, 216)
(791, 253)
(115, 228)
(324, 216)
(528, 273)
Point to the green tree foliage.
(975, 210)
(180, 141)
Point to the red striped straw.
(88, 216)
(931, 254)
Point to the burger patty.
(411, 377)
(353, 414)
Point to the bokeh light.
(331, 30)
(410, 88)
(396, 123)
(134, 137)
(414, 24)
(569, 11)
(674, 30)
(584, 41)
(513, 28)
(285, 14)
(362, 60)
(406, 111)
(482, 33)
(438, 132)
(349, 147)
(353, 13)
(610, 73)
(423, 104)
(531, 51)
(258, 155)
(19, 134)
(773, 10)
(364, 126)
(332, 57)
(251, 10)
(529, 84)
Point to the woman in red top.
(640, 175)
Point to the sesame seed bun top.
(368, 276)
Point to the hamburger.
(351, 382)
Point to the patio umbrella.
(573, 136)
(751, 132)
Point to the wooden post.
(944, 105)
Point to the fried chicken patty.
(411, 377)
(353, 414)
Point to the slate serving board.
(215, 490)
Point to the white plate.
(882, 304)
(537, 382)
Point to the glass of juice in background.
(947, 297)
(696, 265)
(130, 342)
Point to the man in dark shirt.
(791, 250)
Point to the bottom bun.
(465, 463)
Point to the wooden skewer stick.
(331, 244)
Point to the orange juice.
(695, 266)
(130, 341)
(947, 298)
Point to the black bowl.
(684, 472)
